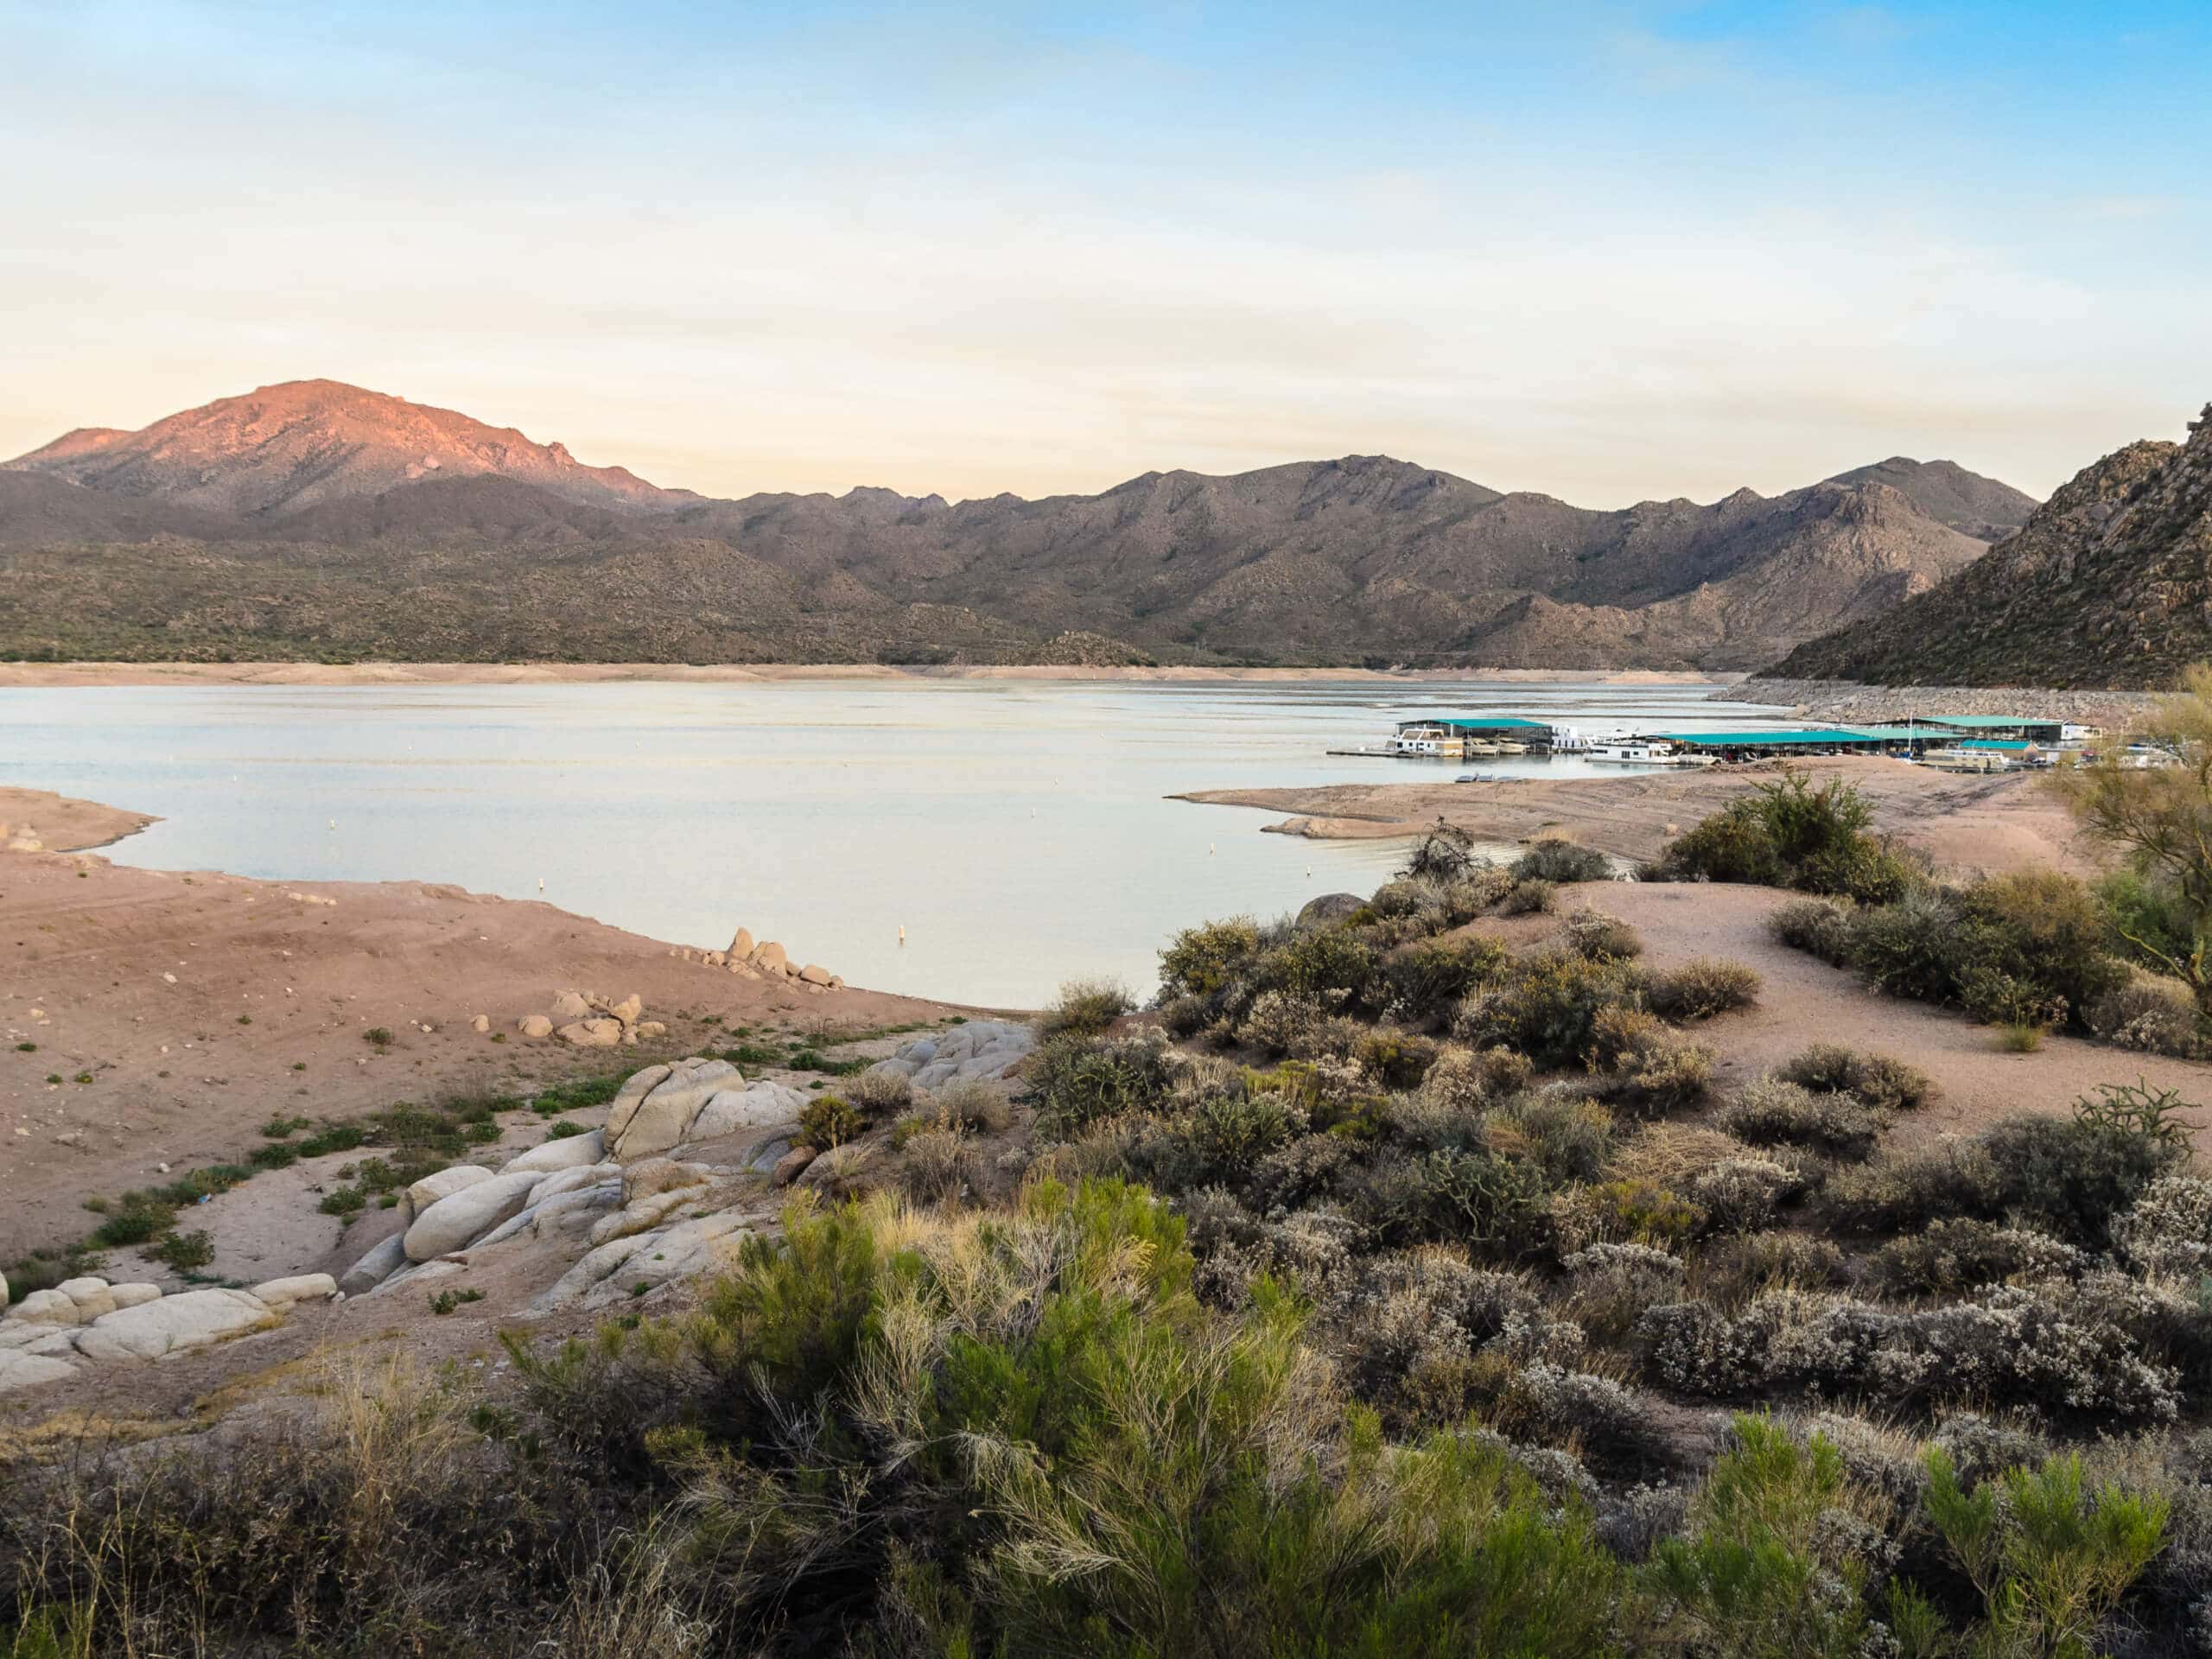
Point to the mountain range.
(314, 519)
(2108, 584)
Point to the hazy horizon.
(1614, 253)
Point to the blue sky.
(1608, 252)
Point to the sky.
(1611, 252)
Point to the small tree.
(2161, 818)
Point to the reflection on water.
(1016, 829)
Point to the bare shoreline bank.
(279, 673)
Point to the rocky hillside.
(291, 446)
(2108, 584)
(316, 520)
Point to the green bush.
(185, 1252)
(1426, 980)
(1531, 896)
(1085, 1004)
(1594, 934)
(1204, 961)
(1881, 1081)
(1079, 1080)
(1789, 833)
(1543, 1007)
(1554, 859)
(830, 1121)
(1774, 1112)
(1819, 927)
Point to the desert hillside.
(320, 522)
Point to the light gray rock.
(454, 1222)
(762, 1157)
(4, 1290)
(92, 1296)
(594, 1265)
(134, 1295)
(576, 1212)
(45, 1308)
(643, 1216)
(377, 1265)
(663, 1118)
(792, 1165)
(22, 1371)
(570, 1180)
(756, 1106)
(60, 1343)
(631, 1095)
(178, 1324)
(415, 1272)
(566, 1153)
(650, 1176)
(432, 1188)
(280, 1294)
(25, 1333)
(684, 1251)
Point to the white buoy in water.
(902, 932)
(540, 883)
(334, 823)
(1209, 849)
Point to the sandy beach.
(1961, 822)
(95, 674)
(198, 1004)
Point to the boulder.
(650, 1176)
(536, 1024)
(189, 1319)
(134, 1295)
(93, 1297)
(280, 1294)
(651, 1028)
(576, 1210)
(815, 974)
(604, 1032)
(570, 1005)
(684, 1251)
(480, 1024)
(441, 1184)
(45, 1308)
(22, 1371)
(1329, 909)
(378, 1265)
(841, 1171)
(757, 1106)
(713, 958)
(454, 1222)
(792, 1165)
(571, 1180)
(628, 1098)
(32, 1334)
(566, 1153)
(770, 958)
(644, 1214)
(596, 1265)
(630, 1010)
(662, 1119)
(741, 943)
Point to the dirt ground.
(1803, 1001)
(1961, 822)
(179, 1011)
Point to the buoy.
(902, 932)
(1209, 849)
(540, 883)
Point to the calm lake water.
(1017, 831)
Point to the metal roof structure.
(1973, 722)
(2013, 744)
(1478, 722)
(1897, 733)
(1787, 737)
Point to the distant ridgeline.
(2108, 584)
(317, 521)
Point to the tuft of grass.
(2019, 1037)
(378, 1036)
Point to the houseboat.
(1642, 751)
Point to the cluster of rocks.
(767, 961)
(20, 838)
(981, 1051)
(50, 1334)
(588, 1021)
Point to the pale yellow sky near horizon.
(966, 256)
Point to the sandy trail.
(1966, 822)
(1803, 1002)
(199, 1005)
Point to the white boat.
(1425, 742)
(1635, 751)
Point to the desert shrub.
(1732, 1271)
(1740, 1195)
(1556, 1405)
(1204, 961)
(1881, 1081)
(185, 1252)
(1769, 1566)
(1530, 897)
(1789, 834)
(938, 1165)
(830, 1121)
(1772, 1112)
(1329, 967)
(1730, 845)
(1079, 1080)
(2168, 1230)
(1088, 1006)
(1700, 989)
(1542, 1007)
(1280, 1022)
(1465, 1078)
(1443, 854)
(1472, 1196)
(1950, 1257)
(1554, 859)
(1569, 1138)
(2156, 1015)
(1395, 1058)
(1913, 948)
(1819, 927)
(1632, 1212)
(972, 1104)
(881, 1093)
(1612, 1284)
(1662, 1072)
(1618, 1030)
(2045, 930)
(1426, 980)
(1594, 934)
(2051, 1560)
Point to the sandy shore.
(1961, 821)
(199, 1004)
(93, 674)
(62, 824)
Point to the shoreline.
(29, 674)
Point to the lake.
(1017, 829)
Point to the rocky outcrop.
(452, 1222)
(47, 1336)
(585, 1020)
(982, 1050)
